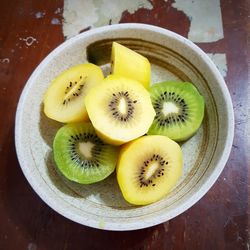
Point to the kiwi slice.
(120, 109)
(148, 168)
(128, 63)
(81, 156)
(179, 110)
(64, 99)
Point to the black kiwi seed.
(158, 173)
(130, 108)
(74, 94)
(96, 150)
(170, 118)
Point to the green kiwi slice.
(179, 110)
(81, 156)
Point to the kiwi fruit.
(120, 109)
(81, 156)
(148, 168)
(128, 63)
(179, 110)
(64, 99)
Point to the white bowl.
(101, 205)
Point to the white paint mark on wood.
(29, 40)
(58, 11)
(55, 21)
(205, 18)
(220, 61)
(40, 14)
(32, 246)
(5, 60)
(79, 15)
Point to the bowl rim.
(195, 197)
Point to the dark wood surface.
(220, 220)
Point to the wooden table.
(220, 220)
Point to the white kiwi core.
(151, 169)
(122, 106)
(169, 107)
(85, 149)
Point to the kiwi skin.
(179, 130)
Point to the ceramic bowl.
(101, 205)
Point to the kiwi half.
(64, 99)
(179, 110)
(120, 109)
(81, 156)
(148, 168)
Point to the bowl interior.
(101, 205)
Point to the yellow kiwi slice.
(64, 99)
(128, 63)
(120, 109)
(148, 168)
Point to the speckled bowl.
(101, 205)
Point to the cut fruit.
(149, 168)
(128, 63)
(64, 99)
(81, 156)
(120, 109)
(179, 110)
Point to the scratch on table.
(28, 40)
(166, 226)
(184, 235)
(228, 222)
(155, 235)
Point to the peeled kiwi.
(128, 63)
(179, 110)
(148, 168)
(64, 99)
(120, 109)
(81, 156)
